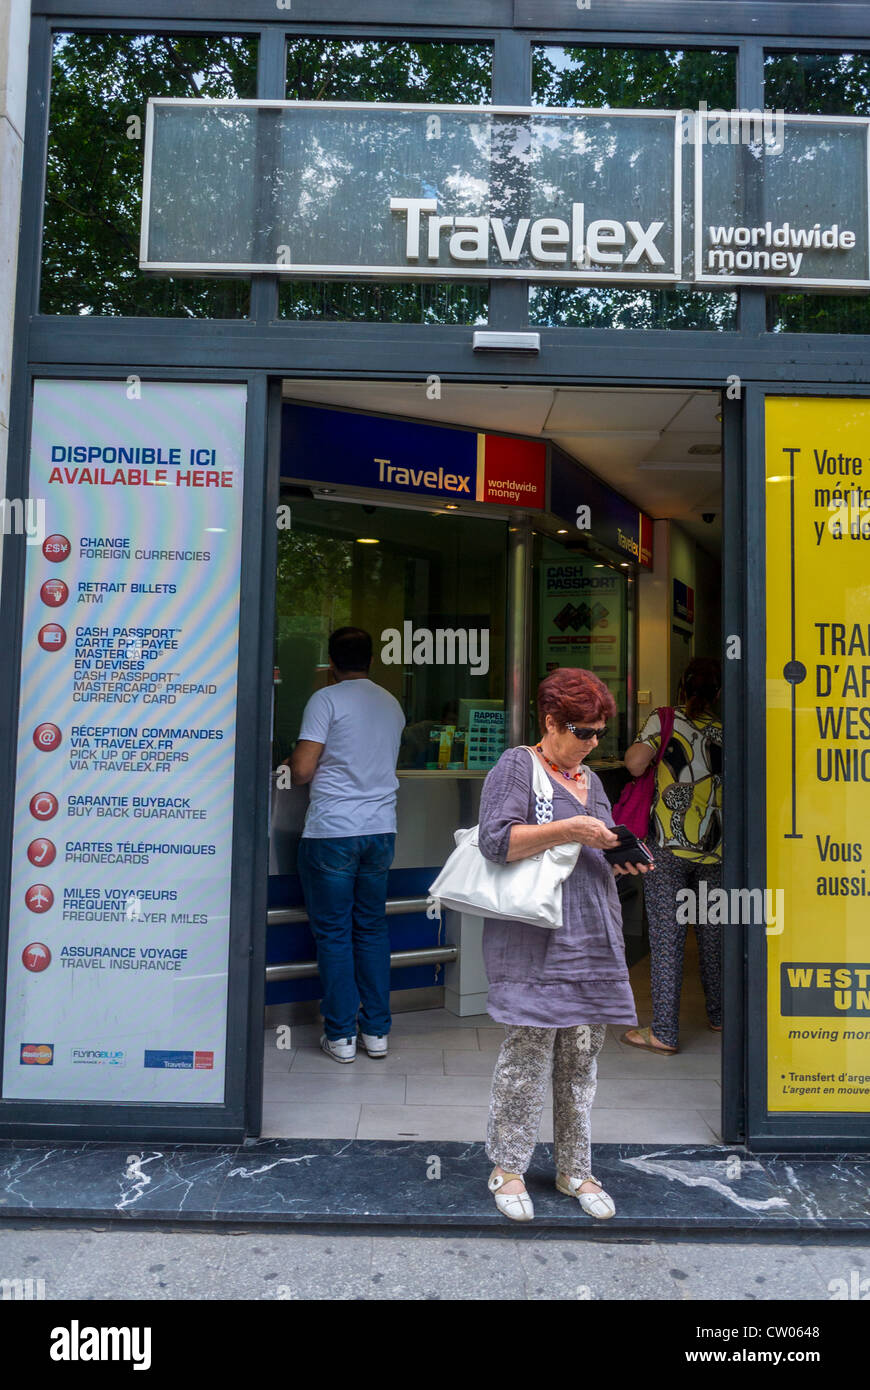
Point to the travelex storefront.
(532, 342)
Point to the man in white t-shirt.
(347, 749)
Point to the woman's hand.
(632, 868)
(588, 830)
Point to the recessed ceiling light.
(451, 506)
(367, 540)
(562, 531)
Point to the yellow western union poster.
(818, 752)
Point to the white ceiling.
(639, 441)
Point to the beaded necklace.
(569, 776)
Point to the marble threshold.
(393, 1183)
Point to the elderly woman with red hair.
(554, 989)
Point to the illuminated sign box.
(363, 189)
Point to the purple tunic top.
(573, 974)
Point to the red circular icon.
(43, 806)
(36, 957)
(56, 548)
(54, 592)
(39, 897)
(51, 637)
(41, 851)
(46, 737)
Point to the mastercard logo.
(37, 1054)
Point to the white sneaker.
(339, 1049)
(375, 1044)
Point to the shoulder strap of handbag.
(542, 788)
(541, 784)
(666, 728)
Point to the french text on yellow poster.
(818, 752)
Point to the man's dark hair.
(350, 649)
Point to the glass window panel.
(669, 79)
(818, 313)
(555, 306)
(409, 572)
(372, 70)
(417, 301)
(818, 84)
(99, 89)
(573, 628)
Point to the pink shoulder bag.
(635, 802)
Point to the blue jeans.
(344, 881)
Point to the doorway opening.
(370, 547)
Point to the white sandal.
(598, 1204)
(517, 1205)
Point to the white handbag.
(526, 890)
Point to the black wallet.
(630, 849)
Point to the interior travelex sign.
(818, 754)
(368, 190)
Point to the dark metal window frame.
(262, 350)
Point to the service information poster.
(120, 892)
(485, 736)
(581, 625)
(818, 753)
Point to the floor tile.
(410, 1061)
(278, 1060)
(677, 1093)
(310, 1120)
(461, 1122)
(714, 1119)
(642, 1126)
(454, 1039)
(424, 1019)
(351, 1084)
(469, 1063)
(631, 1062)
(448, 1090)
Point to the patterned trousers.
(667, 941)
(527, 1060)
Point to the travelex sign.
(319, 445)
(404, 456)
(379, 191)
(551, 240)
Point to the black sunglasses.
(585, 734)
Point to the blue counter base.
(330, 1182)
